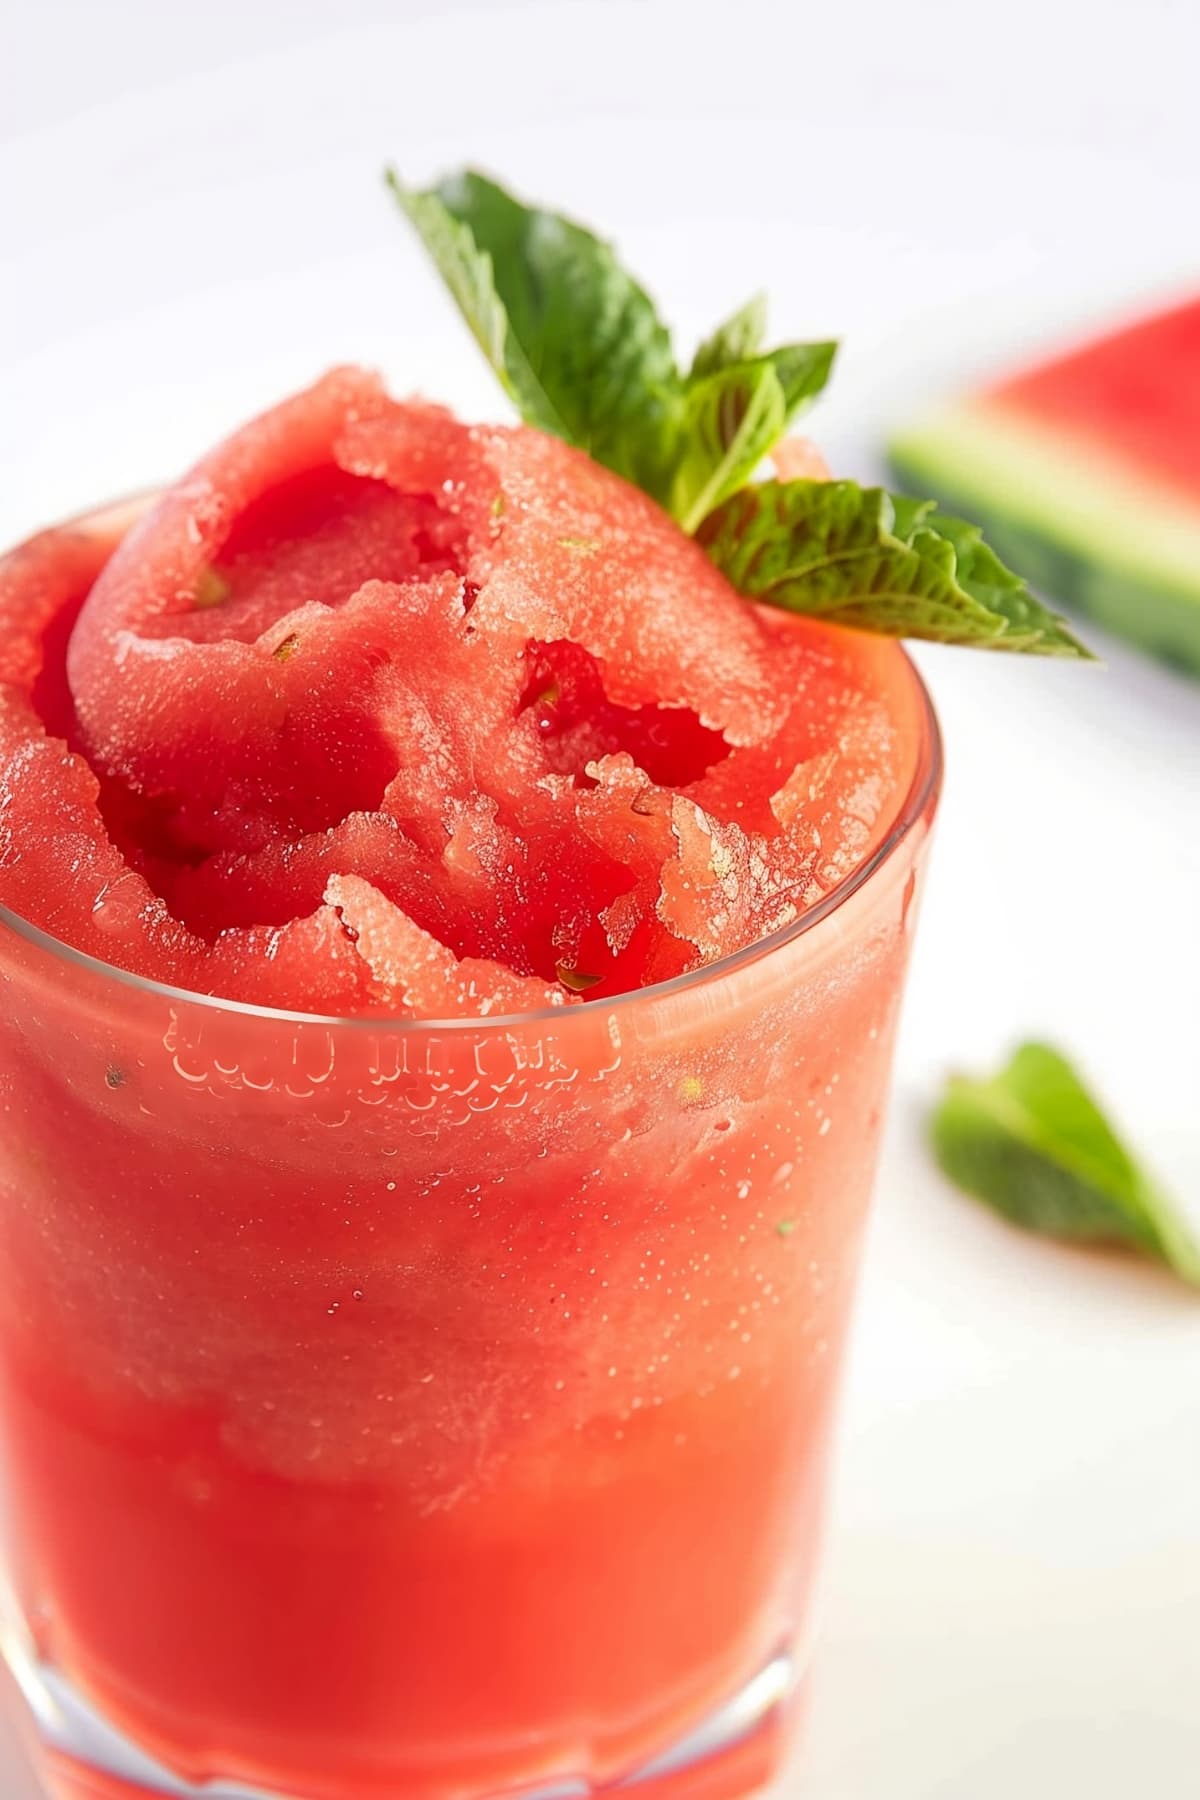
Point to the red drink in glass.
(395, 1408)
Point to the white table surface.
(191, 223)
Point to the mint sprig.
(582, 353)
(865, 558)
(1032, 1143)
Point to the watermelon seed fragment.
(549, 697)
(575, 979)
(212, 589)
(287, 648)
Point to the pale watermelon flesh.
(1085, 472)
(377, 711)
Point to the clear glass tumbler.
(433, 1411)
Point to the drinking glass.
(433, 1411)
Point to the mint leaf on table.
(1032, 1143)
(865, 558)
(582, 352)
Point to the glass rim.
(924, 787)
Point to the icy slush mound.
(375, 711)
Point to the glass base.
(81, 1756)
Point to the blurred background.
(192, 223)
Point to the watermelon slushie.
(451, 947)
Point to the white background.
(191, 223)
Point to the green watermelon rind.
(1103, 553)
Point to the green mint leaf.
(1031, 626)
(575, 340)
(1032, 1143)
(739, 339)
(467, 272)
(802, 370)
(732, 419)
(865, 558)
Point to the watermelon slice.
(375, 711)
(1085, 472)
